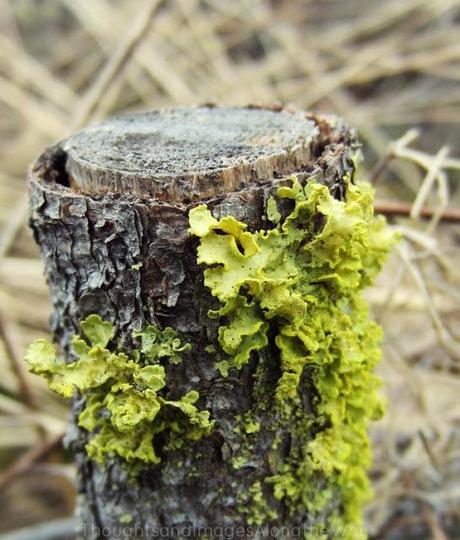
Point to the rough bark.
(117, 195)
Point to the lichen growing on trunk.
(295, 286)
(298, 285)
(278, 388)
(124, 407)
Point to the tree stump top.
(189, 153)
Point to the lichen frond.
(125, 409)
(302, 279)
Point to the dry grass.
(385, 66)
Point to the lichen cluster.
(298, 283)
(293, 289)
(125, 406)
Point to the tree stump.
(110, 211)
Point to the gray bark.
(119, 194)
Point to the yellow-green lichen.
(238, 462)
(125, 403)
(252, 426)
(258, 510)
(302, 279)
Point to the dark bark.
(107, 199)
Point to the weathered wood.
(188, 154)
(118, 194)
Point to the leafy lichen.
(259, 511)
(301, 282)
(125, 408)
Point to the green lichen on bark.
(258, 511)
(299, 284)
(125, 403)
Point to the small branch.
(14, 224)
(396, 208)
(429, 451)
(381, 166)
(26, 460)
(432, 520)
(393, 152)
(15, 361)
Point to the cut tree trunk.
(110, 213)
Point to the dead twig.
(26, 460)
(396, 208)
(393, 152)
(432, 521)
(16, 362)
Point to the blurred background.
(391, 68)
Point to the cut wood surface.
(186, 154)
(110, 213)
